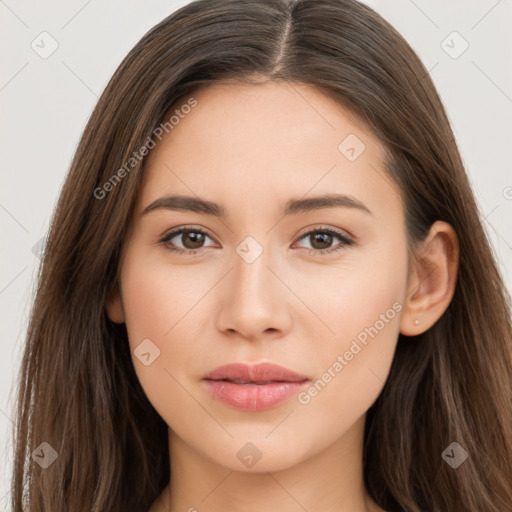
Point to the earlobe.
(432, 282)
(114, 306)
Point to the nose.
(255, 302)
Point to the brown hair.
(78, 390)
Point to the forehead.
(247, 140)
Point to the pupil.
(197, 238)
(326, 239)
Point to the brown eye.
(322, 239)
(191, 239)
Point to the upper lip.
(261, 372)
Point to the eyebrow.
(292, 207)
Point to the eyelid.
(325, 227)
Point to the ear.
(114, 305)
(431, 283)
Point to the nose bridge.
(254, 298)
(252, 279)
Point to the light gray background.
(45, 104)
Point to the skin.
(251, 148)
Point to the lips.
(253, 387)
(261, 373)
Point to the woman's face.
(259, 283)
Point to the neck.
(331, 481)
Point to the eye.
(192, 240)
(322, 237)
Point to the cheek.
(157, 297)
(363, 309)
(158, 303)
(356, 294)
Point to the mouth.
(258, 382)
(243, 373)
(253, 388)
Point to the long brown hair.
(77, 389)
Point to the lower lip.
(253, 397)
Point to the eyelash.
(165, 240)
